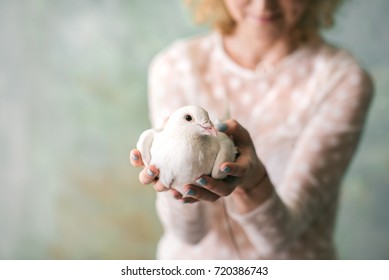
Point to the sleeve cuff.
(259, 214)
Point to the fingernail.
(134, 157)
(221, 127)
(150, 173)
(191, 192)
(226, 169)
(202, 181)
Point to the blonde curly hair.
(319, 15)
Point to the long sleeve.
(188, 222)
(309, 188)
(305, 116)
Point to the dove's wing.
(145, 142)
(227, 152)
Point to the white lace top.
(305, 116)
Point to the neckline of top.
(262, 69)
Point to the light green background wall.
(73, 102)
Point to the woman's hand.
(247, 179)
(149, 174)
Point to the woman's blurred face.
(269, 18)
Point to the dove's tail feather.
(144, 144)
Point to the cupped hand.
(244, 175)
(149, 174)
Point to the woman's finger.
(176, 194)
(220, 187)
(189, 200)
(136, 158)
(240, 135)
(148, 175)
(159, 187)
(210, 189)
(239, 168)
(200, 193)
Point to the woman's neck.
(249, 50)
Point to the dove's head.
(193, 119)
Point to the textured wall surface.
(73, 103)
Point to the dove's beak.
(209, 128)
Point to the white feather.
(186, 149)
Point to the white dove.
(186, 148)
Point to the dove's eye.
(188, 117)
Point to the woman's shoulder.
(339, 65)
(334, 58)
(190, 50)
(337, 61)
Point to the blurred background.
(73, 83)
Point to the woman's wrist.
(247, 199)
